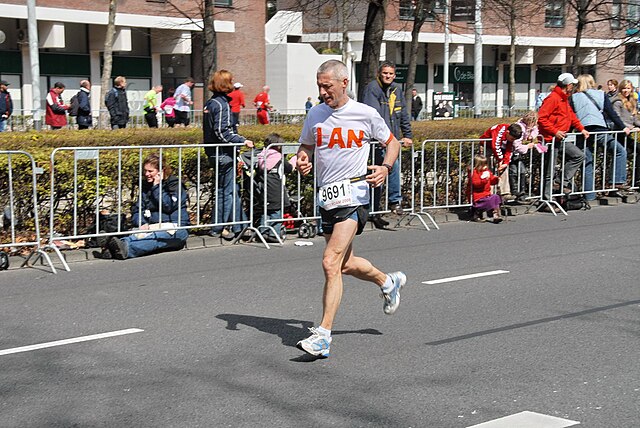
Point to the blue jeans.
(227, 196)
(395, 197)
(619, 173)
(3, 124)
(154, 241)
(270, 215)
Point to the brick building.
(155, 43)
(546, 34)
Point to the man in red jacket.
(236, 103)
(502, 137)
(56, 113)
(555, 120)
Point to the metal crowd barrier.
(19, 201)
(86, 181)
(82, 188)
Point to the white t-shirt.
(181, 103)
(341, 139)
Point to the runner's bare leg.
(338, 258)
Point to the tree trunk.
(582, 19)
(373, 34)
(209, 50)
(512, 59)
(418, 20)
(107, 64)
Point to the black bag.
(74, 105)
(575, 202)
(108, 224)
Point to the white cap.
(238, 85)
(567, 78)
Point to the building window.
(554, 13)
(223, 3)
(408, 9)
(616, 9)
(632, 55)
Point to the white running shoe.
(316, 344)
(392, 298)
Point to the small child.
(482, 198)
(517, 168)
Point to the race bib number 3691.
(335, 195)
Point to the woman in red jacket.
(56, 114)
(482, 199)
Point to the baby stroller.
(278, 199)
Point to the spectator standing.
(168, 107)
(387, 98)
(626, 106)
(56, 112)
(555, 120)
(482, 199)
(591, 106)
(416, 104)
(150, 106)
(262, 103)
(236, 103)
(117, 103)
(308, 105)
(612, 89)
(184, 102)
(218, 130)
(161, 192)
(83, 118)
(6, 104)
(542, 95)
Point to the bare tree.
(513, 15)
(587, 12)
(107, 65)
(421, 11)
(373, 34)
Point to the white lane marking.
(461, 277)
(527, 420)
(68, 341)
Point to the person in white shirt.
(339, 131)
(183, 102)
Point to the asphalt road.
(557, 334)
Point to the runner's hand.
(303, 163)
(377, 177)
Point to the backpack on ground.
(575, 202)
(75, 105)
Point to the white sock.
(323, 331)
(388, 285)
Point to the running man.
(339, 131)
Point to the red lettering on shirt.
(352, 138)
(336, 138)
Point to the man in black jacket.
(117, 104)
(84, 105)
(388, 99)
(6, 104)
(416, 104)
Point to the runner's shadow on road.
(290, 331)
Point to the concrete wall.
(291, 74)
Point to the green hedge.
(67, 203)
(32, 141)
